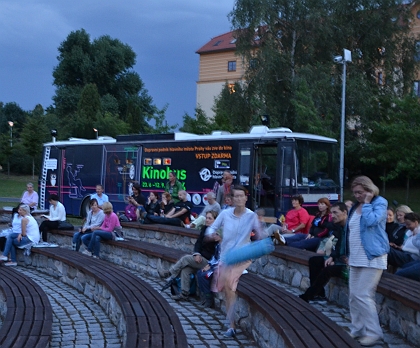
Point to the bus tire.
(85, 207)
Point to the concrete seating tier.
(261, 306)
(25, 312)
(398, 302)
(143, 317)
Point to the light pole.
(11, 145)
(11, 132)
(343, 60)
(96, 132)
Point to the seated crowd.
(334, 231)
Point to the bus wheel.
(85, 207)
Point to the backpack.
(176, 285)
(130, 212)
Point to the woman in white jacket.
(57, 214)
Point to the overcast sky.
(164, 34)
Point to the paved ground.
(79, 322)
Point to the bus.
(272, 163)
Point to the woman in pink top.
(93, 240)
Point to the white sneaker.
(3, 258)
(87, 252)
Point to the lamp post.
(96, 132)
(343, 60)
(11, 145)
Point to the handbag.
(326, 245)
(64, 225)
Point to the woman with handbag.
(57, 214)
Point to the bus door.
(121, 168)
(286, 182)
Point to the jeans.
(153, 219)
(77, 238)
(362, 289)
(310, 244)
(410, 270)
(13, 242)
(398, 258)
(93, 240)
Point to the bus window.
(245, 165)
(316, 167)
(265, 173)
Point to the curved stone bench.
(398, 302)
(142, 316)
(261, 306)
(25, 311)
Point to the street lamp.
(11, 132)
(343, 60)
(96, 132)
(11, 145)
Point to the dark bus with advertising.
(273, 164)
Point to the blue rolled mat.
(250, 251)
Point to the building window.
(417, 54)
(380, 78)
(232, 65)
(253, 64)
(416, 88)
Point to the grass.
(13, 186)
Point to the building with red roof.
(218, 64)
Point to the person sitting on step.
(188, 264)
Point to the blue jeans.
(77, 238)
(93, 240)
(310, 244)
(410, 270)
(11, 242)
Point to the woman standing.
(173, 186)
(368, 246)
(29, 233)
(57, 214)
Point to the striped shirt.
(358, 256)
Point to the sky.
(165, 34)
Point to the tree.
(233, 109)
(288, 47)
(393, 143)
(201, 124)
(88, 112)
(34, 134)
(108, 64)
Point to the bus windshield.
(316, 165)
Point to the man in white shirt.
(100, 196)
